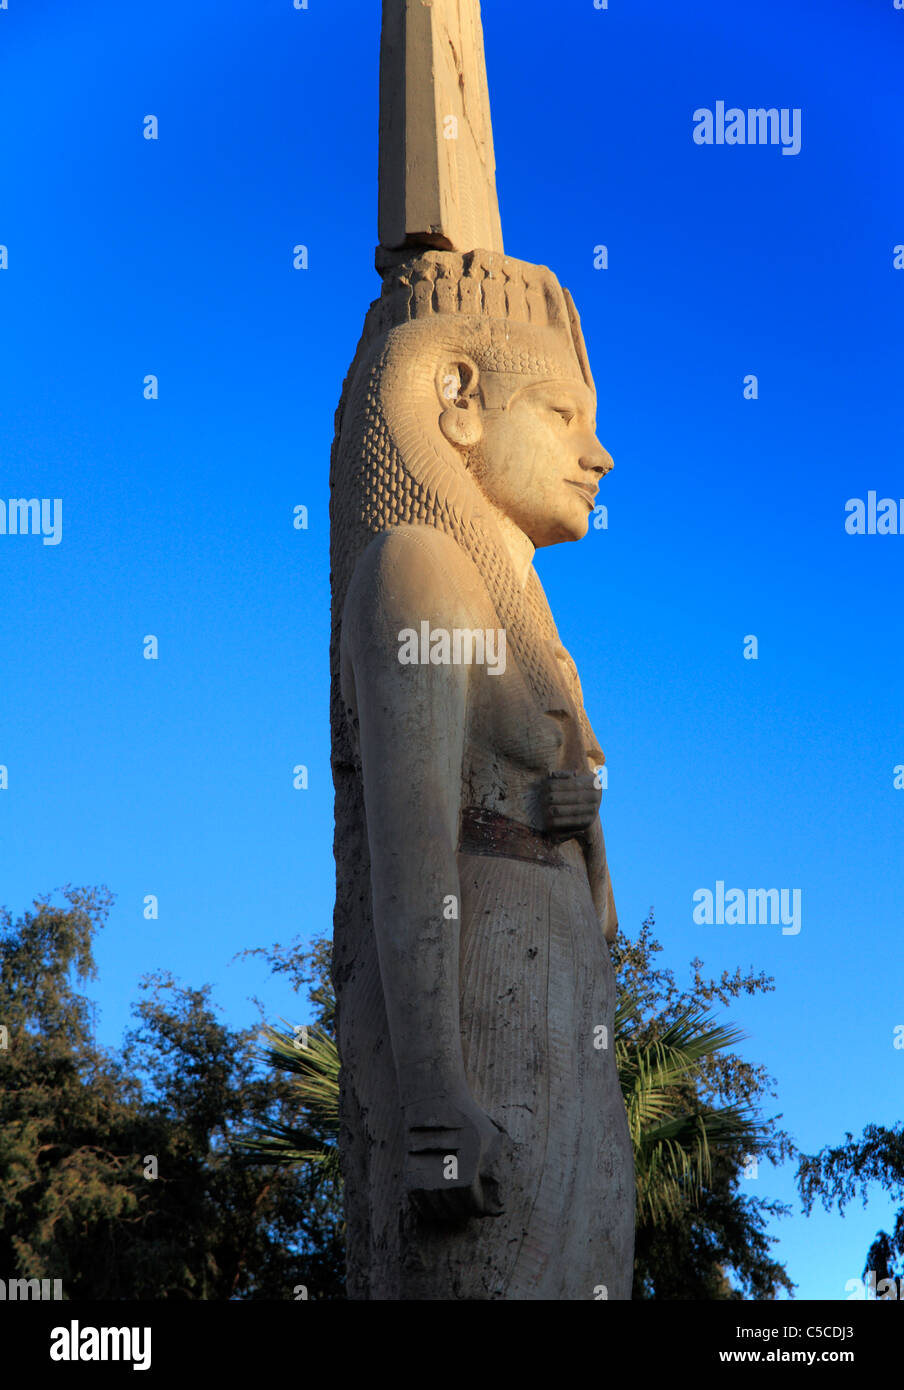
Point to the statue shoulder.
(411, 572)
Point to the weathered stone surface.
(437, 171)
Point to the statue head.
(485, 354)
(529, 444)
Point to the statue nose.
(598, 460)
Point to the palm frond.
(311, 1057)
(672, 1134)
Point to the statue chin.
(565, 527)
(577, 530)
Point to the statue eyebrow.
(572, 389)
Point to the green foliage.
(80, 1126)
(836, 1175)
(68, 1121)
(693, 1106)
(313, 1061)
(672, 1132)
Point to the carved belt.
(487, 832)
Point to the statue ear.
(456, 386)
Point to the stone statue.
(484, 1140)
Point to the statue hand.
(570, 803)
(451, 1147)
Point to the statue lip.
(589, 489)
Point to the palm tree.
(672, 1131)
(312, 1060)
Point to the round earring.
(461, 426)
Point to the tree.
(837, 1175)
(222, 1229)
(709, 1240)
(673, 1133)
(118, 1173)
(69, 1131)
(308, 1055)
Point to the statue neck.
(519, 547)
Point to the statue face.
(539, 461)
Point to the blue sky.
(129, 257)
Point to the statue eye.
(565, 411)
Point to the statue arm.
(600, 882)
(411, 730)
(411, 724)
